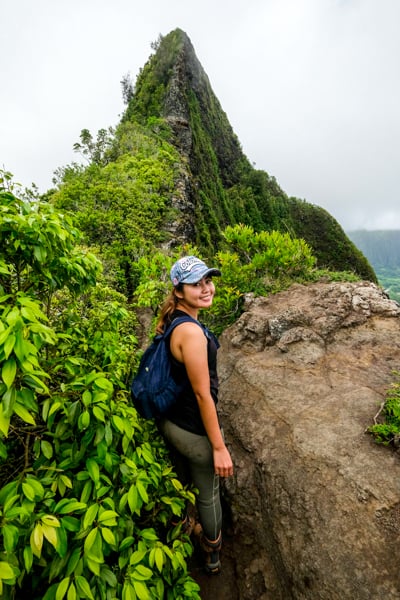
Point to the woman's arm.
(189, 345)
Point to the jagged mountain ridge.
(220, 186)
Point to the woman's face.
(198, 295)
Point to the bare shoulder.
(188, 329)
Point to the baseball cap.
(190, 269)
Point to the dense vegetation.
(87, 492)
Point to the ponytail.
(167, 309)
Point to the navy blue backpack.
(153, 388)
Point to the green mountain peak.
(220, 185)
(174, 173)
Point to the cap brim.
(196, 277)
(213, 273)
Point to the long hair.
(168, 307)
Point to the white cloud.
(311, 87)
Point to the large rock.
(315, 502)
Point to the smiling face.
(195, 296)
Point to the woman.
(192, 425)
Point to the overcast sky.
(311, 87)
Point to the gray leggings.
(197, 451)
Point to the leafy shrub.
(260, 263)
(87, 490)
(123, 206)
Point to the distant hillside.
(382, 249)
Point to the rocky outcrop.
(315, 502)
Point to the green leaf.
(3, 450)
(104, 384)
(50, 520)
(108, 517)
(37, 487)
(93, 566)
(118, 423)
(86, 398)
(50, 533)
(9, 345)
(9, 399)
(108, 434)
(24, 414)
(141, 590)
(126, 543)
(28, 558)
(90, 515)
(142, 573)
(6, 570)
(9, 371)
(83, 587)
(66, 481)
(128, 592)
(62, 588)
(87, 491)
(99, 414)
(4, 422)
(90, 540)
(84, 420)
(9, 490)
(36, 540)
(71, 523)
(10, 538)
(159, 558)
(108, 536)
(28, 490)
(148, 454)
(73, 561)
(132, 498)
(137, 556)
(93, 469)
(66, 506)
(142, 491)
(109, 577)
(71, 592)
(149, 534)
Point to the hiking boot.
(211, 549)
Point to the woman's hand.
(223, 462)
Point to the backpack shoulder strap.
(183, 319)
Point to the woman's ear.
(178, 295)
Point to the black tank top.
(185, 413)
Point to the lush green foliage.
(87, 491)
(123, 206)
(388, 431)
(251, 262)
